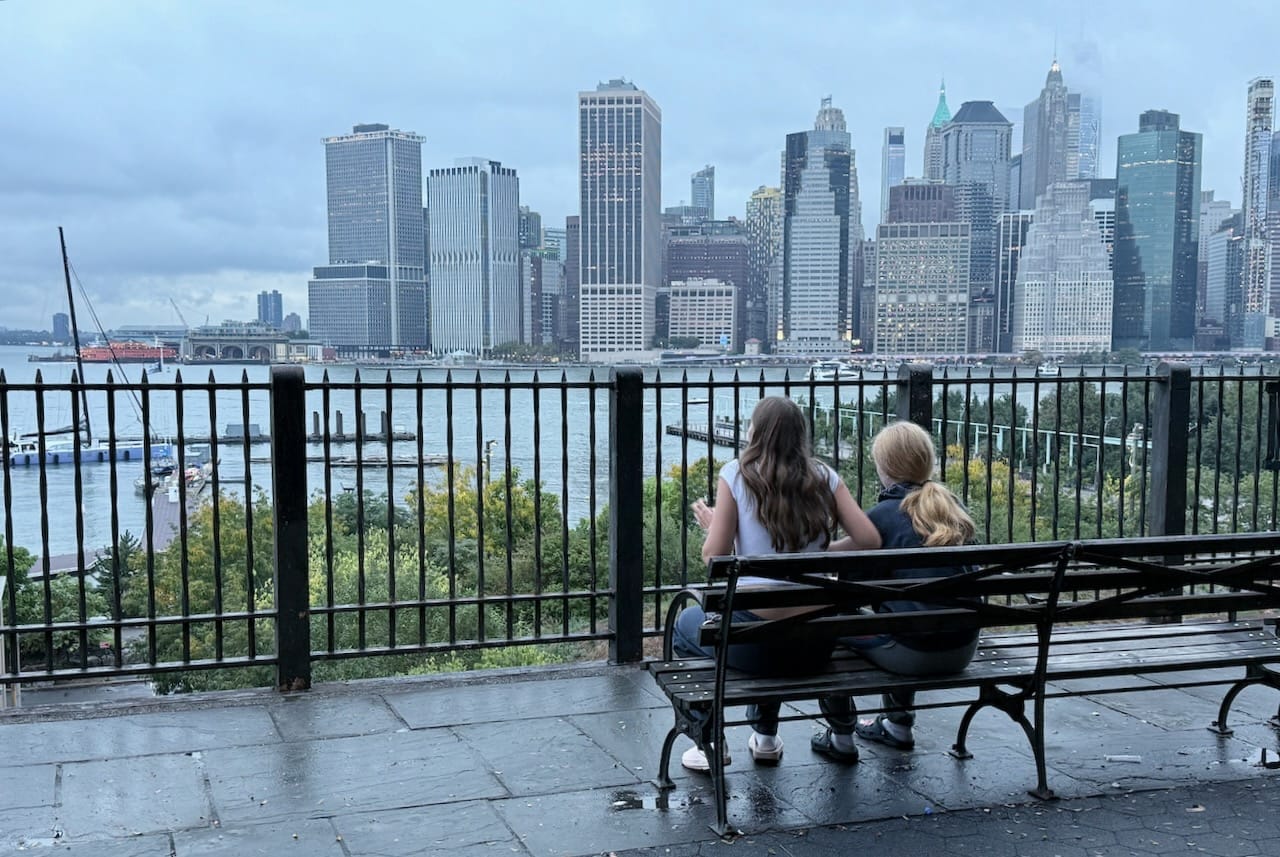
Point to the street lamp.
(488, 459)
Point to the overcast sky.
(179, 142)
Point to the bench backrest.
(1041, 585)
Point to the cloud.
(179, 143)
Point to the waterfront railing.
(428, 520)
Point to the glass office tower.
(1157, 235)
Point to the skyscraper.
(1064, 283)
(620, 194)
(572, 288)
(822, 239)
(530, 229)
(1046, 129)
(893, 165)
(61, 327)
(542, 297)
(922, 288)
(1011, 240)
(715, 250)
(475, 256)
(373, 291)
(1224, 250)
(1089, 136)
(271, 308)
(1157, 235)
(1213, 213)
(764, 248)
(553, 240)
(933, 137)
(916, 202)
(1257, 303)
(702, 190)
(975, 159)
(1102, 201)
(1273, 222)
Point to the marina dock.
(721, 435)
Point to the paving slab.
(316, 779)
(28, 787)
(468, 829)
(29, 824)
(152, 845)
(546, 755)
(514, 700)
(602, 821)
(300, 717)
(121, 735)
(132, 796)
(300, 837)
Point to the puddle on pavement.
(635, 800)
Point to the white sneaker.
(696, 760)
(765, 749)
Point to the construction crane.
(181, 317)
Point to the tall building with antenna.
(933, 137)
(814, 306)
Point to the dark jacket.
(896, 532)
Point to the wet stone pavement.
(561, 762)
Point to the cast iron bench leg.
(715, 757)
(1254, 674)
(664, 764)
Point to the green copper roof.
(942, 115)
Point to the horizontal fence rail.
(303, 525)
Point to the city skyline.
(171, 187)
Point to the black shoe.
(874, 730)
(821, 744)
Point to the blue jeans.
(764, 659)
(892, 656)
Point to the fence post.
(626, 517)
(915, 394)
(289, 503)
(1171, 421)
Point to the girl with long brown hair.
(775, 498)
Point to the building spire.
(942, 113)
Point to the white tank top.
(752, 538)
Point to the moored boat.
(127, 351)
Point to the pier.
(722, 434)
(240, 433)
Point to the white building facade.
(620, 245)
(1064, 282)
(705, 310)
(474, 256)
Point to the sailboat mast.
(75, 339)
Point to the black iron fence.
(262, 531)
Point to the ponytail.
(937, 516)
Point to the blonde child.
(914, 511)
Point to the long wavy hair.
(903, 452)
(794, 500)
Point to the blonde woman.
(914, 511)
(775, 498)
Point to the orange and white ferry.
(127, 351)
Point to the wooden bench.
(1047, 612)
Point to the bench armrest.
(673, 610)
